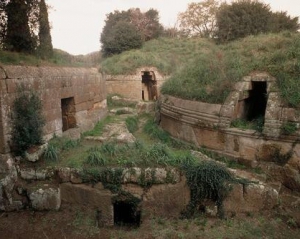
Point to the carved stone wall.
(209, 125)
(131, 86)
(53, 84)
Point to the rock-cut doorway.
(149, 86)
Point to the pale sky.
(77, 24)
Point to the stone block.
(81, 194)
(45, 199)
(166, 200)
(250, 198)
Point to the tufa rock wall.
(73, 99)
(133, 86)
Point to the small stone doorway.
(126, 214)
(256, 103)
(149, 86)
(68, 113)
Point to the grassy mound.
(167, 55)
(211, 77)
(201, 70)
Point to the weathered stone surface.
(130, 86)
(81, 194)
(36, 155)
(151, 175)
(7, 185)
(36, 174)
(75, 176)
(131, 175)
(85, 85)
(64, 174)
(250, 198)
(73, 133)
(166, 200)
(145, 107)
(114, 132)
(134, 189)
(45, 199)
(121, 100)
(124, 110)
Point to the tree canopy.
(250, 17)
(45, 48)
(200, 18)
(24, 26)
(125, 30)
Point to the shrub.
(27, 121)
(206, 180)
(51, 153)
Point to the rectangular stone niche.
(68, 113)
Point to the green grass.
(210, 78)
(99, 126)
(59, 58)
(166, 54)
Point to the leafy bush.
(27, 121)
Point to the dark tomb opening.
(150, 92)
(68, 113)
(126, 214)
(255, 105)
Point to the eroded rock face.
(35, 174)
(99, 199)
(45, 199)
(7, 202)
(250, 198)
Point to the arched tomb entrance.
(254, 101)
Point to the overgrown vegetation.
(132, 123)
(201, 70)
(57, 145)
(210, 78)
(98, 129)
(256, 124)
(27, 121)
(207, 180)
(289, 128)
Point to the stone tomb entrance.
(68, 113)
(254, 106)
(149, 86)
(127, 211)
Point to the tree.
(147, 23)
(200, 18)
(138, 26)
(250, 17)
(123, 36)
(18, 36)
(280, 21)
(45, 47)
(27, 122)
